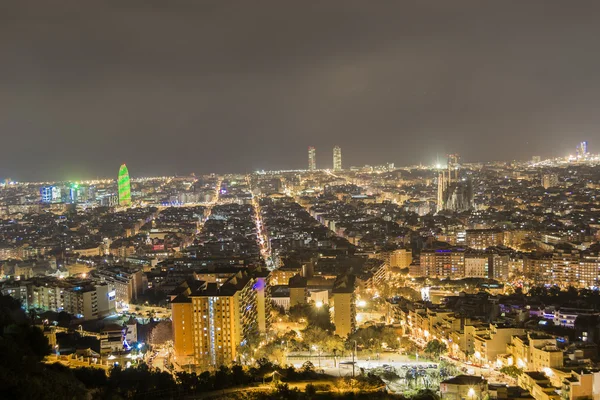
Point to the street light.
(353, 355)
(318, 349)
(284, 352)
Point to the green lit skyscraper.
(124, 187)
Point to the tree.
(313, 315)
(307, 368)
(140, 381)
(375, 338)
(250, 343)
(324, 340)
(22, 375)
(223, 378)
(435, 347)
(274, 351)
(447, 369)
(310, 391)
(511, 371)
(407, 345)
(426, 394)
(161, 333)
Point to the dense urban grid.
(457, 280)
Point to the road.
(492, 375)
(162, 359)
(261, 237)
(345, 368)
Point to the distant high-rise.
(312, 162)
(440, 190)
(46, 193)
(337, 158)
(582, 151)
(124, 187)
(549, 180)
(50, 194)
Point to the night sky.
(235, 86)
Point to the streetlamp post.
(318, 350)
(353, 355)
(284, 352)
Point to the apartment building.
(481, 239)
(212, 321)
(281, 276)
(129, 283)
(344, 303)
(477, 266)
(563, 269)
(89, 302)
(84, 299)
(442, 263)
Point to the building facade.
(337, 158)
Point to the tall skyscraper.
(124, 187)
(312, 161)
(337, 158)
(582, 151)
(440, 192)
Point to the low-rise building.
(464, 387)
(539, 385)
(487, 346)
(534, 352)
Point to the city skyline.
(494, 265)
(581, 153)
(230, 96)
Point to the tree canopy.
(435, 347)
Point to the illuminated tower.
(312, 162)
(441, 189)
(582, 150)
(124, 187)
(337, 158)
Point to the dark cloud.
(226, 86)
